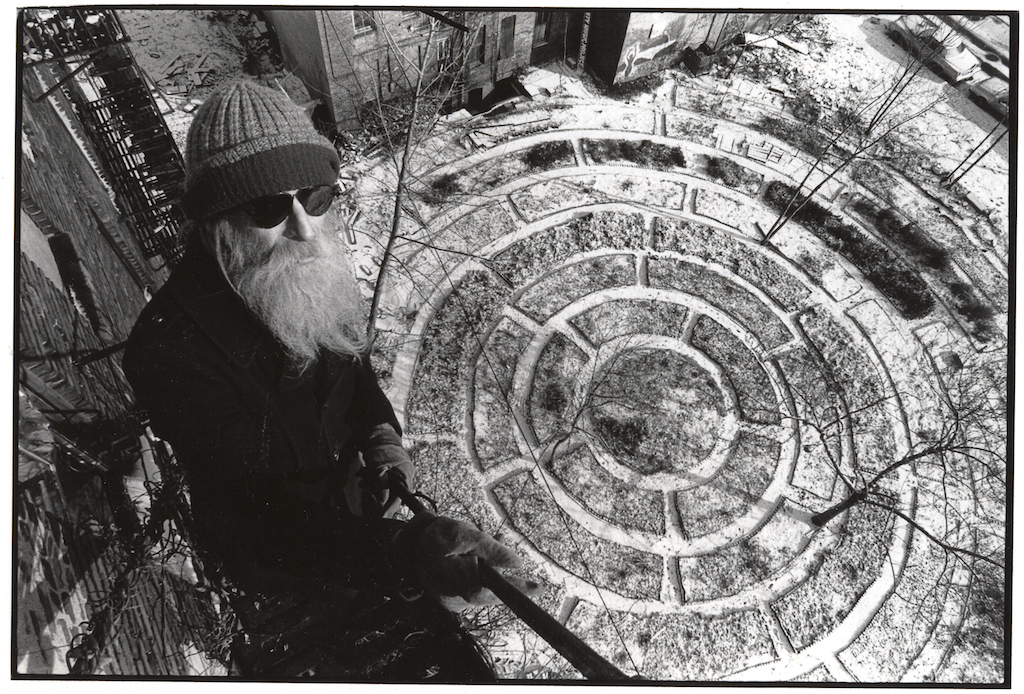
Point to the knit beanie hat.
(247, 141)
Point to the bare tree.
(867, 128)
(959, 460)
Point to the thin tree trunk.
(818, 520)
(378, 289)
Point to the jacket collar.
(199, 287)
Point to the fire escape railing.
(89, 57)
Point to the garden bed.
(747, 261)
(697, 130)
(567, 192)
(645, 153)
(809, 381)
(443, 475)
(533, 256)
(717, 290)
(748, 378)
(723, 208)
(656, 410)
(547, 197)
(494, 439)
(569, 283)
(624, 317)
(605, 495)
(603, 114)
(858, 376)
(890, 275)
(818, 605)
(605, 564)
(733, 175)
(904, 623)
(717, 503)
(471, 232)
(549, 155)
(675, 647)
(560, 366)
(484, 177)
(442, 364)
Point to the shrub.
(441, 189)
(901, 285)
(912, 239)
(806, 108)
(873, 178)
(968, 305)
(626, 91)
(547, 155)
(796, 134)
(725, 170)
(552, 398)
(622, 436)
(658, 155)
(654, 155)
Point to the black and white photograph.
(468, 345)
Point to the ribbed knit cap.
(247, 141)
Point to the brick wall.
(68, 561)
(68, 555)
(494, 67)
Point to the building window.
(542, 27)
(445, 59)
(506, 42)
(362, 20)
(480, 50)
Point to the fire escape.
(86, 54)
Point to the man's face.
(299, 225)
(296, 275)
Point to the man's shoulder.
(164, 325)
(166, 316)
(160, 327)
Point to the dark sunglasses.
(270, 210)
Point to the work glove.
(385, 454)
(389, 500)
(447, 555)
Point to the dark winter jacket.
(265, 450)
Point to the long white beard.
(305, 292)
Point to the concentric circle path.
(651, 404)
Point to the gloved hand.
(384, 452)
(447, 555)
(390, 501)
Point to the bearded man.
(251, 363)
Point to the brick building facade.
(624, 46)
(96, 233)
(348, 58)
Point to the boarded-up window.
(542, 27)
(445, 59)
(506, 43)
(362, 20)
(480, 50)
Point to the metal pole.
(584, 658)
